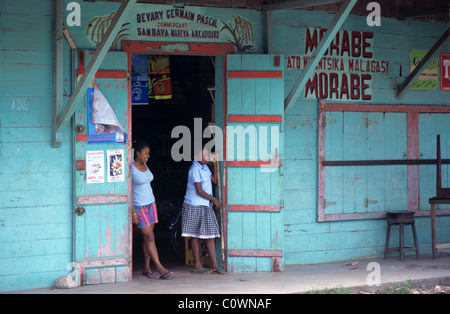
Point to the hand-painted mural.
(97, 28)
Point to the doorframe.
(186, 49)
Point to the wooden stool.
(401, 218)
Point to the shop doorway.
(189, 94)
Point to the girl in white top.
(199, 220)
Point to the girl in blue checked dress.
(198, 217)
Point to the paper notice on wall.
(116, 166)
(95, 167)
(428, 79)
(104, 127)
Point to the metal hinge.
(368, 122)
(367, 202)
(327, 203)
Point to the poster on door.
(116, 167)
(95, 167)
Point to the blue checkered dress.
(199, 221)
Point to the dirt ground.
(435, 290)
(405, 288)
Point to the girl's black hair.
(139, 146)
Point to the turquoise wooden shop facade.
(294, 209)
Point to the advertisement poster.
(139, 79)
(116, 167)
(445, 72)
(95, 167)
(428, 80)
(103, 124)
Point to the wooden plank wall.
(307, 240)
(35, 179)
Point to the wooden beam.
(381, 162)
(91, 69)
(422, 12)
(334, 27)
(57, 75)
(298, 4)
(404, 87)
(69, 39)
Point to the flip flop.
(148, 274)
(217, 271)
(166, 275)
(199, 271)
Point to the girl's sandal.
(217, 271)
(166, 275)
(199, 271)
(148, 274)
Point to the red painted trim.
(321, 156)
(99, 73)
(255, 74)
(107, 74)
(276, 61)
(177, 48)
(81, 164)
(255, 253)
(255, 208)
(129, 160)
(103, 263)
(413, 153)
(387, 108)
(255, 118)
(100, 264)
(81, 64)
(82, 137)
(111, 74)
(255, 163)
(97, 199)
(339, 217)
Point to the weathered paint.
(103, 231)
(35, 180)
(36, 200)
(254, 232)
(310, 241)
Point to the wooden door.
(364, 191)
(430, 125)
(254, 151)
(102, 250)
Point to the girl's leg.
(195, 245)
(211, 246)
(150, 246)
(147, 268)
